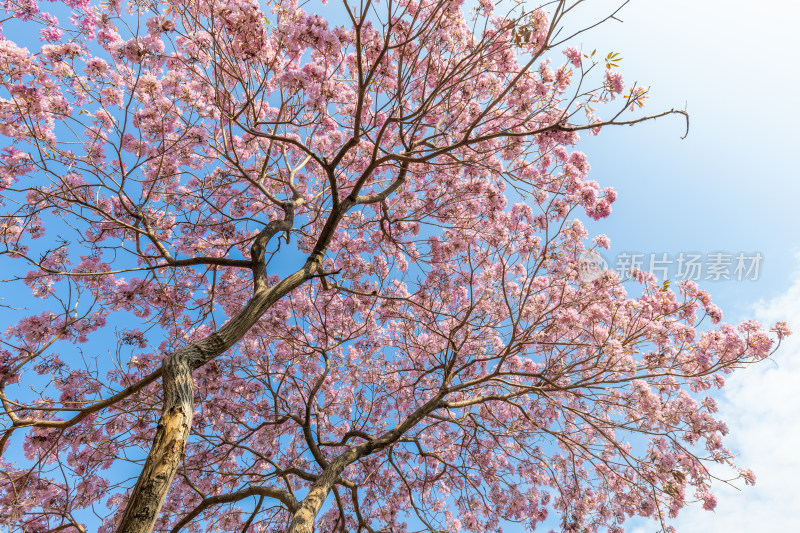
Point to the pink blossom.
(781, 329)
(715, 313)
(574, 56)
(709, 501)
(602, 241)
(614, 82)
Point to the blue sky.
(732, 185)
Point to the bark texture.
(166, 452)
(303, 519)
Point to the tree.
(298, 273)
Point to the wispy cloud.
(761, 405)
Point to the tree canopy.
(269, 270)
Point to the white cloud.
(761, 405)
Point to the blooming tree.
(266, 271)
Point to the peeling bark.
(166, 452)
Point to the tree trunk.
(303, 519)
(166, 452)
